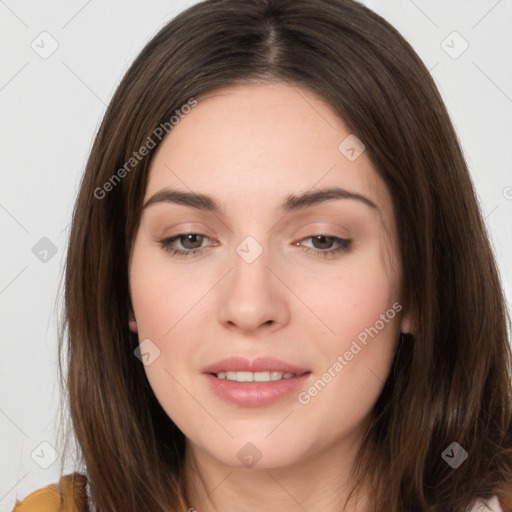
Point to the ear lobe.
(132, 324)
(405, 323)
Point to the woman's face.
(275, 270)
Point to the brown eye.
(184, 244)
(326, 245)
(191, 241)
(323, 241)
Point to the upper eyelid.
(309, 227)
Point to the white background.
(52, 107)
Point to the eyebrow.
(291, 203)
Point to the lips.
(254, 389)
(260, 364)
(256, 394)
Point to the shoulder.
(492, 505)
(68, 495)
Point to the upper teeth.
(255, 376)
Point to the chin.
(256, 452)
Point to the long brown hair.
(451, 377)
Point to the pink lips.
(254, 394)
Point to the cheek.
(351, 298)
(361, 308)
(164, 302)
(160, 298)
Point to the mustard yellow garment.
(68, 496)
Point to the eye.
(192, 243)
(327, 245)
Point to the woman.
(280, 294)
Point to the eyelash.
(343, 246)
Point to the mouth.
(263, 376)
(254, 383)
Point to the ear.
(132, 324)
(405, 323)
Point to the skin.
(250, 146)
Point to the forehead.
(251, 145)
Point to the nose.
(253, 297)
